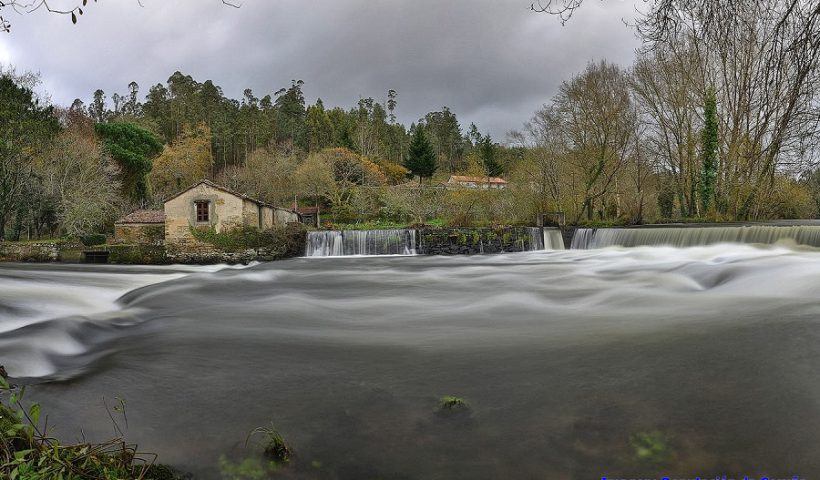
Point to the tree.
(76, 173)
(314, 177)
(290, 109)
(133, 148)
(487, 151)
(184, 163)
(445, 135)
(318, 126)
(708, 152)
(26, 126)
(97, 110)
(421, 159)
(597, 117)
(72, 13)
(268, 175)
(667, 84)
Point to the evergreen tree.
(487, 152)
(421, 159)
(134, 149)
(709, 147)
(25, 127)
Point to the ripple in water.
(565, 356)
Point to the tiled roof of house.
(219, 187)
(307, 210)
(143, 216)
(466, 179)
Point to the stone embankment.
(475, 241)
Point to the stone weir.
(432, 241)
(685, 235)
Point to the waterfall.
(586, 238)
(546, 239)
(552, 239)
(339, 243)
(538, 238)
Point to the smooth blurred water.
(564, 357)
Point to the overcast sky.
(493, 62)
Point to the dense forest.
(711, 122)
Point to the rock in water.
(3, 373)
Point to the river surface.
(574, 363)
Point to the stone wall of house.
(226, 211)
(268, 217)
(474, 241)
(150, 233)
(283, 216)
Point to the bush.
(26, 453)
(93, 239)
(281, 241)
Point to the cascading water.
(552, 239)
(586, 238)
(340, 243)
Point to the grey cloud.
(491, 62)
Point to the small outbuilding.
(309, 215)
(140, 226)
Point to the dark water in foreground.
(566, 357)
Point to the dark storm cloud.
(491, 62)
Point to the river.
(570, 360)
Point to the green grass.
(371, 225)
(449, 403)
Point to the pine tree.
(421, 158)
(486, 149)
(709, 147)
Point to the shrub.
(27, 453)
(281, 241)
(93, 239)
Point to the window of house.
(201, 208)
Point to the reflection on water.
(574, 362)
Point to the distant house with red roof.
(476, 182)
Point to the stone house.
(476, 182)
(141, 226)
(207, 204)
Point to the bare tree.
(30, 6)
(598, 118)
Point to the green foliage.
(29, 453)
(421, 159)
(249, 468)
(26, 127)
(281, 241)
(487, 151)
(93, 239)
(134, 148)
(709, 151)
(275, 454)
(138, 254)
(451, 403)
(274, 446)
(651, 447)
